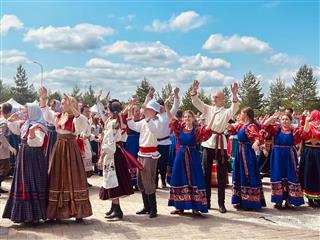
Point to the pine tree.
(4, 92)
(227, 97)
(166, 91)
(187, 102)
(89, 97)
(250, 92)
(22, 92)
(277, 96)
(304, 90)
(76, 93)
(142, 90)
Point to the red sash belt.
(147, 149)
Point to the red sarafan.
(315, 116)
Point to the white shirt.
(221, 118)
(164, 130)
(148, 137)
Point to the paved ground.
(301, 223)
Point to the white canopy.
(14, 103)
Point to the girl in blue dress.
(247, 185)
(187, 186)
(284, 177)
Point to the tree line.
(301, 95)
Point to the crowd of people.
(55, 147)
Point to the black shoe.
(89, 185)
(222, 208)
(117, 213)
(79, 220)
(146, 206)
(110, 211)
(3, 191)
(153, 205)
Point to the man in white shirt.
(215, 147)
(147, 155)
(163, 133)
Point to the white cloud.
(218, 43)
(13, 56)
(154, 53)
(184, 22)
(283, 59)
(123, 79)
(203, 63)
(10, 22)
(81, 37)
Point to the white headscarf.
(35, 117)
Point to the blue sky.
(114, 44)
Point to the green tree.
(250, 92)
(277, 96)
(89, 97)
(227, 97)
(55, 95)
(76, 93)
(142, 90)
(303, 95)
(22, 92)
(5, 93)
(187, 102)
(166, 91)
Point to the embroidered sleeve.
(297, 135)
(175, 126)
(202, 133)
(272, 129)
(234, 128)
(253, 133)
(38, 140)
(109, 144)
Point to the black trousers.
(208, 156)
(162, 163)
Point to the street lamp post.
(41, 71)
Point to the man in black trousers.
(215, 147)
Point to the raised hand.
(99, 95)
(195, 85)
(108, 97)
(234, 88)
(43, 92)
(151, 92)
(176, 91)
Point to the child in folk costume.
(247, 185)
(284, 178)
(116, 178)
(28, 197)
(310, 159)
(148, 156)
(187, 186)
(68, 189)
